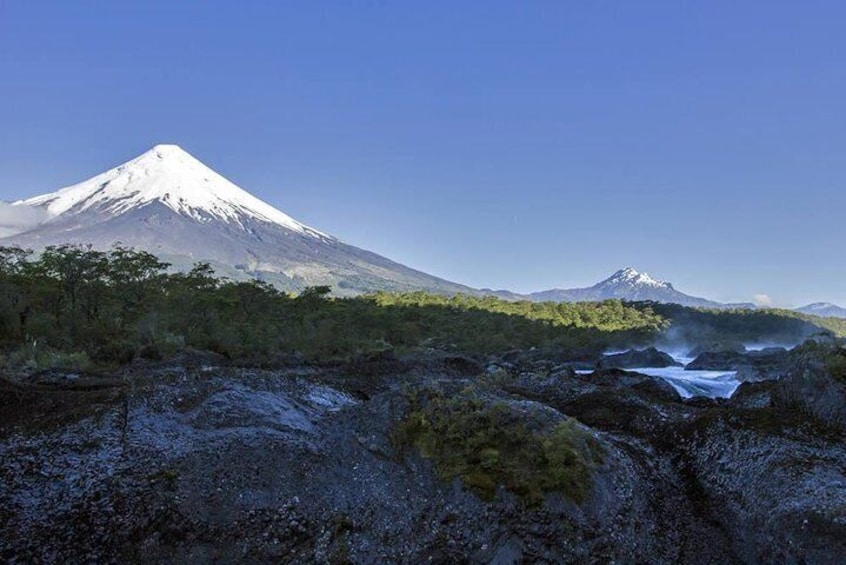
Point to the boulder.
(813, 391)
(635, 358)
(752, 395)
(654, 388)
(770, 363)
(719, 361)
(766, 364)
(767, 352)
(774, 484)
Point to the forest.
(77, 307)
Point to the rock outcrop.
(767, 364)
(635, 358)
(351, 462)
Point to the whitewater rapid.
(713, 384)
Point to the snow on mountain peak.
(825, 309)
(167, 147)
(819, 305)
(632, 277)
(171, 176)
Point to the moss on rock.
(487, 444)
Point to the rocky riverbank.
(419, 459)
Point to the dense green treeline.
(741, 325)
(118, 305)
(71, 305)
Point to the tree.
(14, 300)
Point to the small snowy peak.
(163, 149)
(169, 175)
(626, 284)
(820, 306)
(824, 309)
(631, 277)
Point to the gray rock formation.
(634, 358)
(768, 364)
(192, 462)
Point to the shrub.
(162, 347)
(836, 366)
(488, 444)
(36, 357)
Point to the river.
(713, 384)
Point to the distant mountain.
(167, 202)
(505, 294)
(824, 309)
(626, 284)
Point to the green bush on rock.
(488, 444)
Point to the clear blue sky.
(520, 145)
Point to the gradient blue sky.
(520, 145)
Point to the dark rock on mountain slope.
(306, 464)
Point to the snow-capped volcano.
(168, 175)
(630, 279)
(167, 202)
(626, 284)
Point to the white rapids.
(713, 384)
